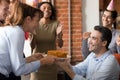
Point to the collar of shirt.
(102, 57)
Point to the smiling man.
(100, 64)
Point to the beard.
(94, 48)
(91, 47)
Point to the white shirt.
(11, 52)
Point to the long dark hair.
(53, 15)
(114, 15)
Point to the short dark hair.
(53, 15)
(114, 15)
(106, 34)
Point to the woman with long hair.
(48, 36)
(22, 18)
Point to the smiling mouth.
(46, 13)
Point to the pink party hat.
(111, 6)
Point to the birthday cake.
(57, 53)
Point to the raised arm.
(59, 35)
(85, 49)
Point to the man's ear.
(28, 19)
(104, 43)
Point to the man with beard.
(100, 64)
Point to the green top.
(45, 38)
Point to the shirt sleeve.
(18, 63)
(81, 68)
(85, 49)
(113, 46)
(118, 47)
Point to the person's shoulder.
(5, 28)
(111, 59)
(111, 62)
(55, 21)
(13, 30)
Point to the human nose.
(89, 40)
(105, 18)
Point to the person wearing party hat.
(109, 21)
(111, 6)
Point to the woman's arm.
(59, 35)
(34, 57)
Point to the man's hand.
(86, 35)
(65, 65)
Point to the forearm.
(68, 69)
(70, 73)
(26, 68)
(74, 76)
(34, 57)
(30, 59)
(85, 49)
(59, 39)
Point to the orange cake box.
(58, 53)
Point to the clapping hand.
(59, 29)
(59, 35)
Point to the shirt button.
(96, 59)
